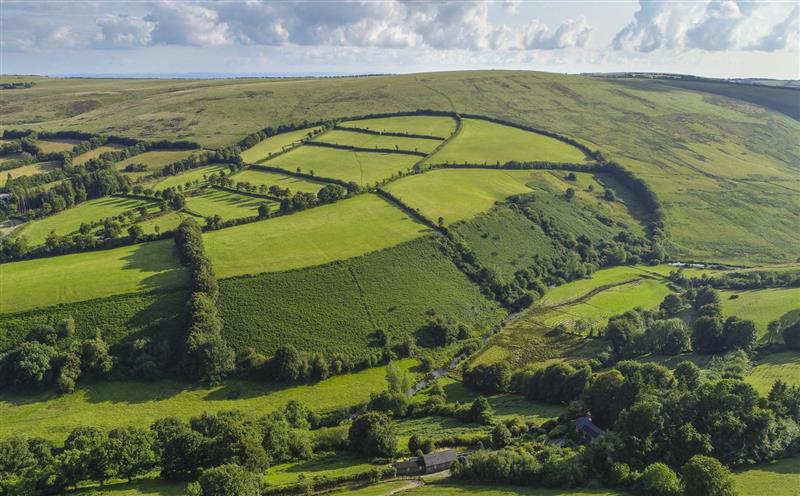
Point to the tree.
(739, 334)
(398, 380)
(287, 364)
(135, 232)
(621, 329)
(609, 195)
(501, 436)
(569, 194)
(177, 448)
(95, 358)
(481, 411)
(572, 177)
(228, 479)
(263, 210)
(27, 365)
(372, 434)
(672, 305)
(658, 480)
(791, 336)
(668, 337)
(706, 295)
(707, 335)
(132, 451)
(688, 375)
(706, 476)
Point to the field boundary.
(387, 133)
(351, 148)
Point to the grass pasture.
(439, 127)
(153, 159)
(28, 170)
(268, 178)
(166, 222)
(763, 306)
(137, 487)
(350, 300)
(345, 229)
(95, 152)
(450, 487)
(769, 368)
(484, 142)
(56, 145)
(197, 174)
(778, 478)
(361, 167)
(69, 221)
(364, 140)
(330, 465)
(45, 282)
(226, 204)
(110, 404)
(274, 144)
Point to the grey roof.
(587, 427)
(412, 462)
(447, 456)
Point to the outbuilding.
(427, 464)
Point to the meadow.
(769, 368)
(95, 153)
(484, 142)
(56, 145)
(50, 281)
(448, 487)
(274, 144)
(345, 229)
(28, 170)
(110, 404)
(439, 127)
(330, 465)
(166, 222)
(364, 140)
(69, 221)
(283, 181)
(228, 205)
(782, 477)
(351, 299)
(153, 159)
(763, 306)
(364, 168)
(190, 176)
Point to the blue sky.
(722, 38)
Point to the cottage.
(587, 430)
(427, 464)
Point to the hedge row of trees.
(387, 133)
(352, 148)
(757, 279)
(253, 139)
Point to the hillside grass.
(154, 160)
(226, 204)
(56, 145)
(364, 140)
(325, 465)
(110, 404)
(284, 181)
(763, 306)
(778, 478)
(197, 174)
(363, 168)
(95, 153)
(50, 281)
(68, 221)
(351, 299)
(166, 222)
(440, 127)
(345, 229)
(28, 170)
(451, 487)
(769, 368)
(151, 486)
(261, 151)
(484, 142)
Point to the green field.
(166, 222)
(448, 487)
(28, 170)
(284, 181)
(364, 140)
(83, 276)
(95, 152)
(484, 142)
(68, 221)
(763, 306)
(778, 478)
(351, 299)
(330, 465)
(261, 151)
(440, 127)
(138, 487)
(197, 174)
(154, 160)
(361, 167)
(784, 366)
(56, 145)
(110, 404)
(227, 205)
(345, 229)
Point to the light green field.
(361, 167)
(450, 487)
(227, 205)
(68, 221)
(784, 366)
(267, 178)
(604, 277)
(763, 306)
(440, 127)
(261, 151)
(332, 465)
(778, 478)
(109, 404)
(382, 489)
(83, 276)
(139, 487)
(165, 222)
(28, 170)
(198, 174)
(56, 145)
(95, 152)
(154, 160)
(345, 229)
(363, 140)
(10, 156)
(482, 142)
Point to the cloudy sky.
(723, 38)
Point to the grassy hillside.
(350, 301)
(197, 174)
(440, 127)
(782, 477)
(154, 160)
(28, 170)
(56, 145)
(682, 142)
(95, 152)
(45, 282)
(293, 184)
(274, 144)
(345, 229)
(363, 140)
(227, 205)
(784, 366)
(763, 306)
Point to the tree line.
(386, 133)
(352, 148)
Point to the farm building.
(427, 464)
(587, 430)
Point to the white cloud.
(122, 31)
(184, 23)
(784, 35)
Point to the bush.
(230, 480)
(706, 476)
(791, 336)
(658, 480)
(372, 434)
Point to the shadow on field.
(160, 259)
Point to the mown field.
(345, 229)
(50, 281)
(439, 127)
(784, 366)
(351, 299)
(361, 167)
(68, 221)
(484, 142)
(283, 181)
(28, 170)
(363, 140)
(95, 152)
(261, 151)
(197, 174)
(227, 205)
(779, 478)
(331, 465)
(165, 222)
(110, 404)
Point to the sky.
(715, 38)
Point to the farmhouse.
(587, 431)
(427, 464)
